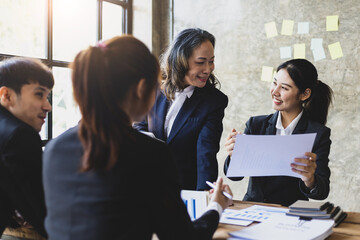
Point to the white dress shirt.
(280, 130)
(175, 107)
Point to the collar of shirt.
(175, 107)
(289, 130)
(188, 91)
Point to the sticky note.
(267, 74)
(335, 50)
(318, 54)
(285, 52)
(303, 27)
(287, 27)
(299, 50)
(332, 23)
(316, 43)
(270, 29)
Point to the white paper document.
(268, 155)
(282, 227)
(255, 213)
(195, 202)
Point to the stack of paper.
(280, 227)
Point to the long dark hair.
(174, 62)
(102, 77)
(304, 75)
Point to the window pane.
(23, 27)
(74, 27)
(44, 129)
(142, 21)
(65, 112)
(112, 20)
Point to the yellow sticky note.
(299, 50)
(287, 27)
(267, 74)
(270, 29)
(332, 23)
(335, 50)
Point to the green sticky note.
(332, 23)
(270, 29)
(299, 50)
(267, 74)
(287, 27)
(335, 50)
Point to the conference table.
(349, 229)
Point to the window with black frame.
(54, 31)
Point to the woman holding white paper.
(301, 102)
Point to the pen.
(225, 193)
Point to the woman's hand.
(216, 194)
(230, 141)
(306, 168)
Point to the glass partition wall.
(54, 31)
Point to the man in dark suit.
(25, 85)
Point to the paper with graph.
(268, 155)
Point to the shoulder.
(322, 131)
(216, 93)
(148, 143)
(16, 131)
(260, 120)
(212, 95)
(316, 126)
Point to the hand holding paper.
(306, 168)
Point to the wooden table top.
(349, 229)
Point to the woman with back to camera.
(301, 102)
(188, 112)
(105, 180)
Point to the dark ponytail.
(304, 75)
(102, 78)
(317, 106)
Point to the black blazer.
(20, 173)
(282, 189)
(195, 135)
(138, 197)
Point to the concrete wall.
(242, 49)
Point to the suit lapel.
(186, 110)
(302, 125)
(271, 127)
(158, 114)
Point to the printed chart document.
(268, 155)
(245, 217)
(195, 202)
(282, 227)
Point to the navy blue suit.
(195, 134)
(139, 196)
(282, 189)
